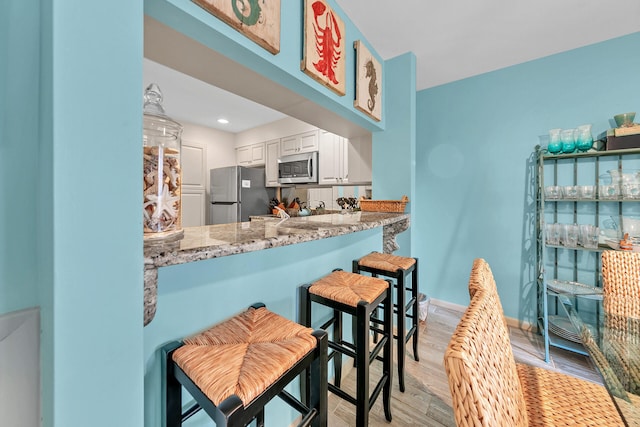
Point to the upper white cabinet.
(360, 154)
(271, 164)
(301, 143)
(333, 162)
(251, 155)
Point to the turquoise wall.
(70, 222)
(474, 164)
(70, 131)
(92, 293)
(394, 149)
(19, 89)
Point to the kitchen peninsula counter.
(214, 241)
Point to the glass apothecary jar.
(162, 174)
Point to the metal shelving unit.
(576, 264)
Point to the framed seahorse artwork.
(368, 82)
(259, 20)
(324, 46)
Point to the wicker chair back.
(479, 361)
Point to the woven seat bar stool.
(358, 296)
(398, 268)
(234, 368)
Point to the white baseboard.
(514, 323)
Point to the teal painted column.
(394, 149)
(90, 219)
(19, 73)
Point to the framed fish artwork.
(368, 82)
(324, 46)
(259, 20)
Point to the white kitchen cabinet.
(333, 161)
(271, 163)
(300, 143)
(251, 155)
(193, 209)
(360, 155)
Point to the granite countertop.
(214, 241)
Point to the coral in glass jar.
(161, 189)
(162, 174)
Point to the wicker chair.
(481, 278)
(621, 283)
(621, 303)
(488, 387)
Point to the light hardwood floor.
(427, 401)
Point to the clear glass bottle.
(162, 173)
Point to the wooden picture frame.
(258, 20)
(368, 82)
(324, 46)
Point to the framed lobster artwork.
(324, 46)
(259, 20)
(368, 82)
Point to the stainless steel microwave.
(298, 168)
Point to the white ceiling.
(452, 40)
(456, 39)
(187, 99)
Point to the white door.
(193, 158)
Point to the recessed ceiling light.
(223, 121)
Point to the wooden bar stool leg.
(388, 356)
(401, 327)
(172, 389)
(362, 351)
(375, 316)
(304, 318)
(260, 419)
(416, 325)
(318, 390)
(337, 337)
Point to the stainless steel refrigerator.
(236, 193)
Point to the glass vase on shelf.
(555, 144)
(162, 173)
(567, 136)
(584, 139)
